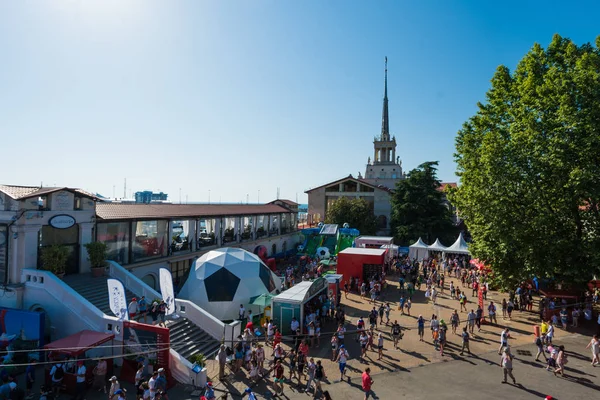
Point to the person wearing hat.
(133, 309)
(114, 387)
(80, 380)
(120, 393)
(251, 395)
(222, 358)
(209, 392)
(161, 383)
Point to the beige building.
(322, 197)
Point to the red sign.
(162, 341)
(480, 294)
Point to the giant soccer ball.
(222, 279)
(323, 253)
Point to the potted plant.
(97, 256)
(199, 359)
(54, 259)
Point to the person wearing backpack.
(57, 373)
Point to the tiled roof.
(350, 177)
(285, 201)
(444, 185)
(119, 211)
(25, 192)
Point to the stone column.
(218, 233)
(85, 236)
(24, 250)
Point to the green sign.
(316, 287)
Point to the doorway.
(68, 238)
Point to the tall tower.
(385, 169)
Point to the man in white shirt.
(133, 309)
(295, 325)
(242, 312)
(80, 381)
(152, 384)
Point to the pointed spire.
(385, 122)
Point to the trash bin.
(536, 330)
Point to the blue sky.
(237, 97)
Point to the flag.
(117, 299)
(166, 289)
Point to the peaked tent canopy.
(437, 246)
(79, 342)
(459, 247)
(418, 250)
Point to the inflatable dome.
(222, 279)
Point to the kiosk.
(68, 350)
(361, 263)
(296, 303)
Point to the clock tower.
(385, 168)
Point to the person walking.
(507, 366)
(222, 358)
(342, 359)
(367, 382)
(504, 336)
(454, 321)
(465, 341)
(57, 373)
(133, 309)
(471, 317)
(561, 361)
(396, 331)
(311, 368)
(319, 376)
(380, 345)
(595, 345)
(278, 380)
(114, 386)
(364, 340)
(143, 308)
(492, 313)
(478, 317)
(421, 327)
(539, 342)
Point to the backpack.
(59, 373)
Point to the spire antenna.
(385, 121)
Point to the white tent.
(418, 250)
(437, 246)
(222, 279)
(459, 247)
(393, 249)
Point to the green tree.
(356, 212)
(420, 209)
(529, 165)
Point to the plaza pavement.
(417, 371)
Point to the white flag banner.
(166, 289)
(117, 299)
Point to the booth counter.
(295, 303)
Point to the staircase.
(186, 338)
(95, 290)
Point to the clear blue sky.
(240, 96)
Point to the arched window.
(274, 249)
(150, 280)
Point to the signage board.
(62, 221)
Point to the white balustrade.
(95, 319)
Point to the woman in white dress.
(595, 345)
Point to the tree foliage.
(419, 208)
(358, 213)
(529, 164)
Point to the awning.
(80, 342)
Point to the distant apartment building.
(148, 196)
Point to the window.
(150, 239)
(273, 249)
(180, 271)
(3, 250)
(43, 203)
(78, 203)
(116, 237)
(382, 221)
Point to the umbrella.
(263, 300)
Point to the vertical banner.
(166, 289)
(117, 299)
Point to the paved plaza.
(418, 371)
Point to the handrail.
(131, 282)
(186, 308)
(94, 318)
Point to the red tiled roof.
(114, 211)
(444, 185)
(26, 192)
